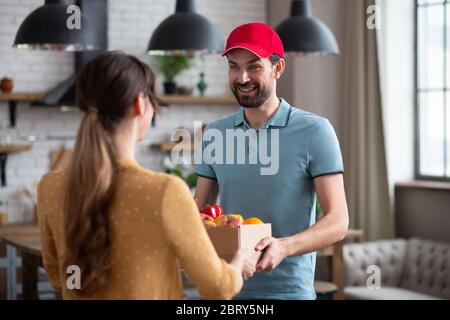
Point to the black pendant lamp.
(46, 29)
(302, 33)
(185, 33)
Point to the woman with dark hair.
(128, 230)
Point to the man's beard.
(254, 99)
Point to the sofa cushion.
(427, 268)
(388, 255)
(384, 293)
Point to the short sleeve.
(203, 168)
(324, 153)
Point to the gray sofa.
(414, 269)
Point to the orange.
(253, 221)
(218, 219)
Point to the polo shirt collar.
(240, 119)
(279, 119)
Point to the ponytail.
(88, 196)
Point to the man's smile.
(247, 89)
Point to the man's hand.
(275, 251)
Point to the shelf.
(13, 97)
(197, 100)
(168, 146)
(21, 96)
(5, 150)
(170, 99)
(14, 148)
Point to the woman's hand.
(245, 260)
(275, 251)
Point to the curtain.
(363, 146)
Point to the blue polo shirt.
(306, 147)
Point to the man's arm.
(328, 230)
(206, 192)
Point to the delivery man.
(269, 160)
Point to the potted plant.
(319, 212)
(185, 172)
(170, 67)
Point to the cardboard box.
(227, 240)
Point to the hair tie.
(92, 109)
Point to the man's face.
(251, 78)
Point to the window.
(432, 89)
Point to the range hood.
(63, 94)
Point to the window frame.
(418, 90)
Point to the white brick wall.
(131, 24)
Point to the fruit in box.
(253, 221)
(229, 220)
(206, 217)
(208, 221)
(212, 211)
(209, 224)
(213, 216)
(239, 216)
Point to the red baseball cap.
(256, 37)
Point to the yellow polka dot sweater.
(155, 230)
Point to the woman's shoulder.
(52, 178)
(150, 177)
